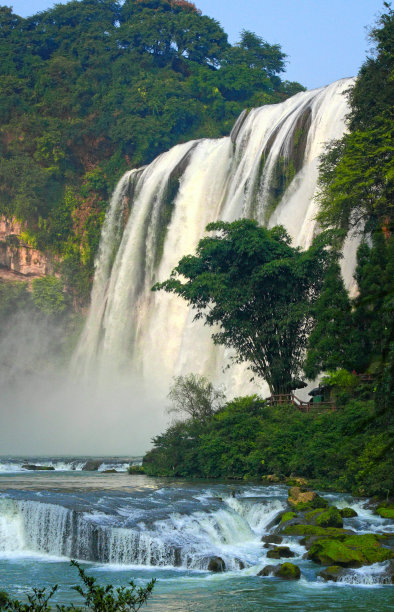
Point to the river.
(133, 527)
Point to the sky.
(325, 40)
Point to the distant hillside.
(91, 88)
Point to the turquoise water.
(132, 527)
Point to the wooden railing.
(290, 398)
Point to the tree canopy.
(251, 283)
(91, 88)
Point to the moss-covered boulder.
(136, 469)
(386, 511)
(314, 530)
(288, 571)
(348, 513)
(329, 518)
(350, 551)
(280, 551)
(301, 499)
(287, 516)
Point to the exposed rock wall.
(18, 260)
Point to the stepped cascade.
(266, 169)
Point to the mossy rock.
(314, 530)
(329, 518)
(136, 469)
(288, 571)
(280, 551)
(351, 551)
(333, 573)
(384, 512)
(301, 499)
(348, 513)
(287, 516)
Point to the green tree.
(195, 396)
(48, 295)
(259, 290)
(333, 341)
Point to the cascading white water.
(267, 169)
(187, 540)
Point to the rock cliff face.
(18, 260)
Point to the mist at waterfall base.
(46, 410)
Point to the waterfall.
(266, 169)
(177, 540)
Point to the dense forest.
(351, 340)
(92, 88)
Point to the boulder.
(333, 573)
(111, 471)
(272, 539)
(300, 499)
(314, 530)
(43, 468)
(350, 551)
(386, 511)
(348, 513)
(288, 571)
(280, 551)
(92, 465)
(240, 563)
(216, 564)
(268, 570)
(329, 518)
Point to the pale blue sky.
(325, 39)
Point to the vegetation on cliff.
(91, 88)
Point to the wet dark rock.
(43, 468)
(111, 471)
(333, 573)
(272, 538)
(241, 564)
(92, 465)
(216, 564)
(268, 570)
(280, 551)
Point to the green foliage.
(350, 449)
(48, 295)
(95, 597)
(259, 290)
(91, 88)
(195, 396)
(13, 296)
(333, 342)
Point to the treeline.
(91, 88)
(289, 315)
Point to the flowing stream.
(125, 527)
(267, 169)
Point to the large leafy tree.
(251, 283)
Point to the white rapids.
(267, 169)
